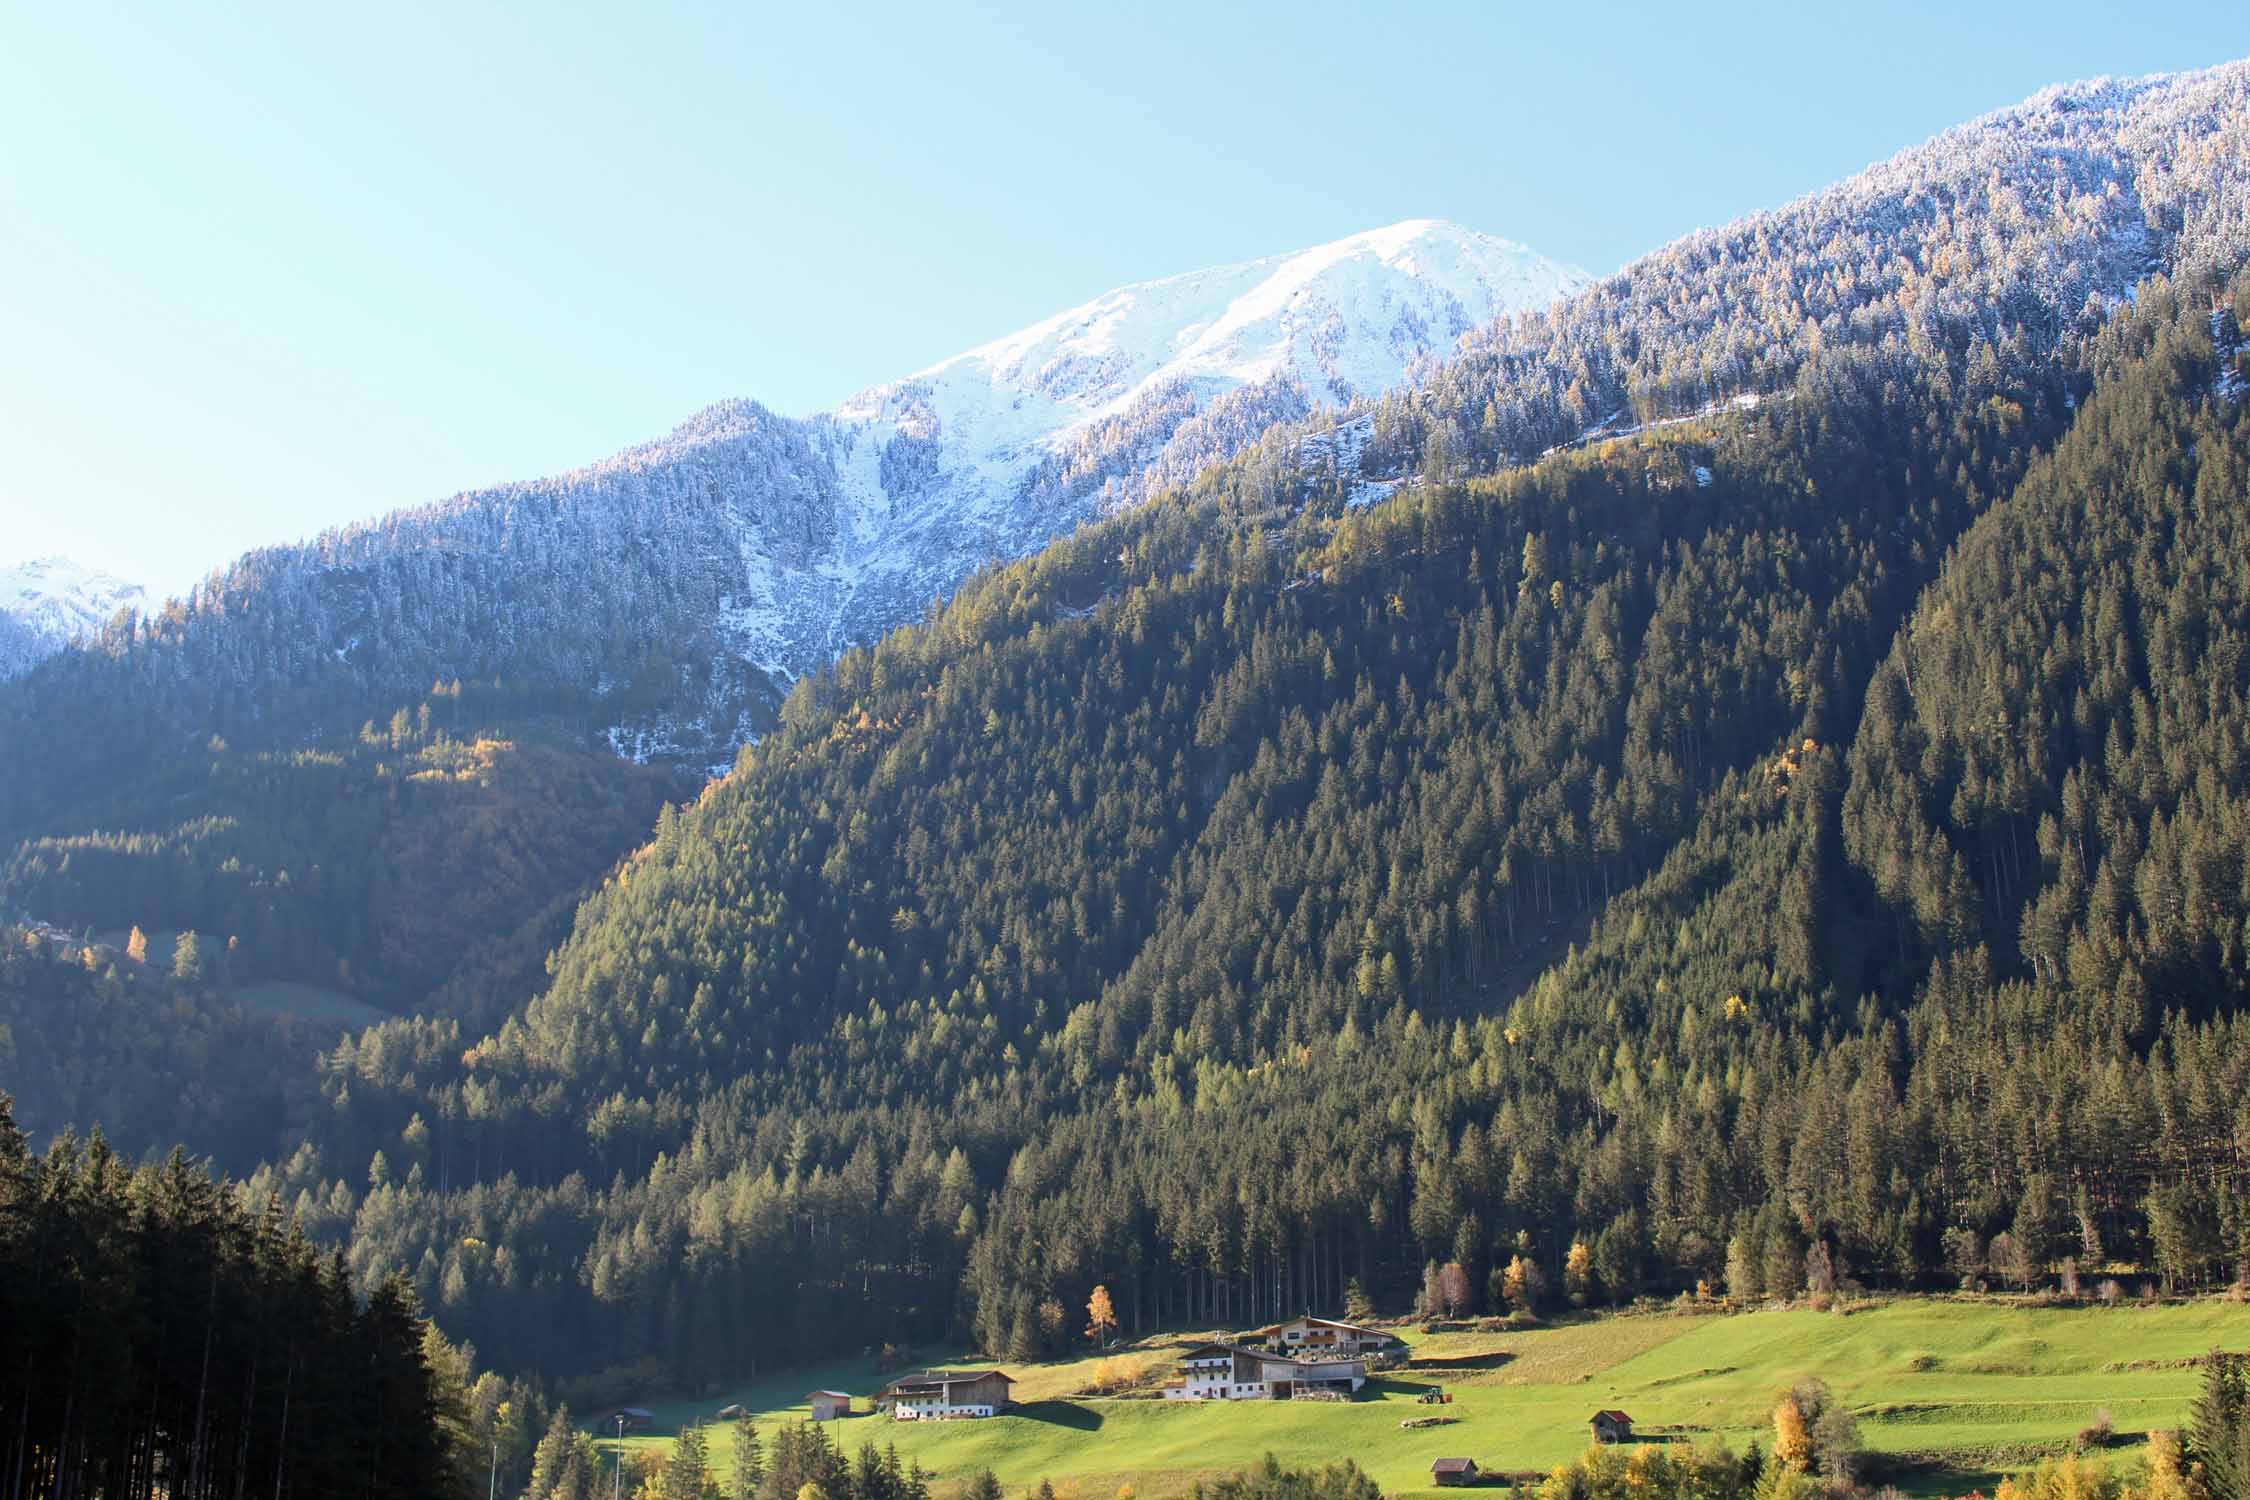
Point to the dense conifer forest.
(156, 1338)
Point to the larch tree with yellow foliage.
(1792, 1444)
(1101, 1316)
(1578, 1269)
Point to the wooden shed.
(1454, 1471)
(1611, 1427)
(827, 1406)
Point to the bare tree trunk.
(281, 1447)
(203, 1385)
(242, 1444)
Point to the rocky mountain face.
(50, 601)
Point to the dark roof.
(1613, 1414)
(1376, 1333)
(932, 1379)
(1453, 1465)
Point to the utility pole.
(617, 1481)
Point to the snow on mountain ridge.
(1345, 318)
(49, 602)
(985, 455)
(753, 547)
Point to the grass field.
(272, 997)
(1950, 1391)
(306, 1002)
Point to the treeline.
(158, 1338)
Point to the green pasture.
(1948, 1392)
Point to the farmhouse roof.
(934, 1379)
(1373, 1333)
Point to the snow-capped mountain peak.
(757, 546)
(1343, 319)
(50, 601)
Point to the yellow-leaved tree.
(1792, 1444)
(1101, 1316)
(1578, 1269)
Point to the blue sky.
(264, 269)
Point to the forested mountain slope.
(423, 865)
(886, 1028)
(1260, 887)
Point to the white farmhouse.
(947, 1393)
(1231, 1372)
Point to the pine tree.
(749, 1470)
(187, 958)
(2217, 1435)
(688, 1476)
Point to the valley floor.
(1948, 1392)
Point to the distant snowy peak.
(1343, 319)
(63, 599)
(50, 601)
